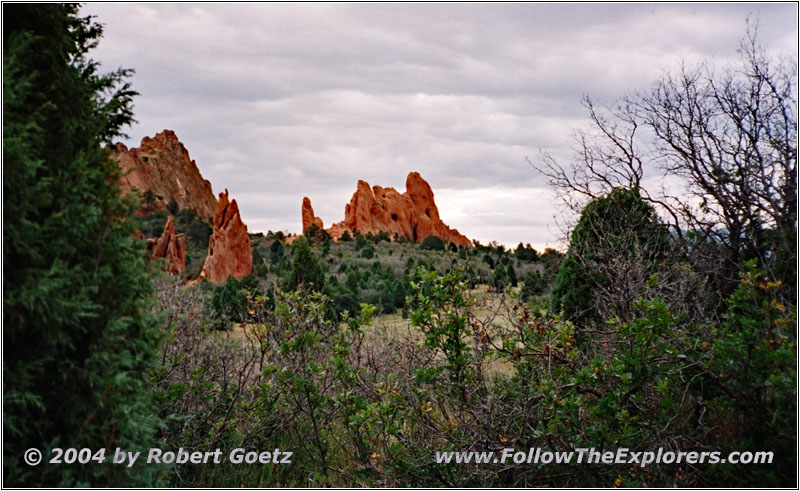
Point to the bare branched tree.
(729, 140)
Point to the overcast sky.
(280, 101)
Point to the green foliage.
(306, 271)
(359, 408)
(346, 237)
(433, 243)
(534, 283)
(352, 281)
(360, 241)
(753, 365)
(172, 207)
(78, 341)
(441, 314)
(382, 236)
(326, 247)
(149, 199)
(368, 252)
(260, 264)
(196, 230)
(500, 278)
(525, 253)
(511, 275)
(312, 231)
(316, 234)
(276, 252)
(231, 301)
(620, 226)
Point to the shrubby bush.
(368, 252)
(533, 284)
(231, 301)
(433, 243)
(616, 246)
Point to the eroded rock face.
(162, 165)
(172, 247)
(308, 216)
(413, 214)
(229, 251)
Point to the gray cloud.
(281, 101)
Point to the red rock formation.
(162, 165)
(172, 247)
(412, 214)
(308, 216)
(229, 251)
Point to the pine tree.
(306, 270)
(77, 339)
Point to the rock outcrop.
(172, 247)
(162, 165)
(229, 251)
(308, 216)
(375, 209)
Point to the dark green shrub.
(511, 275)
(276, 252)
(230, 301)
(533, 284)
(368, 252)
(353, 281)
(306, 270)
(360, 241)
(433, 243)
(616, 237)
(500, 278)
(526, 253)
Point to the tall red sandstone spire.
(308, 216)
(229, 251)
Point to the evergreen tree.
(511, 275)
(433, 243)
(533, 284)
(614, 235)
(352, 281)
(306, 270)
(500, 278)
(326, 247)
(360, 241)
(276, 252)
(77, 340)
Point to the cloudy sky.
(280, 101)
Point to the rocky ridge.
(161, 164)
(412, 214)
